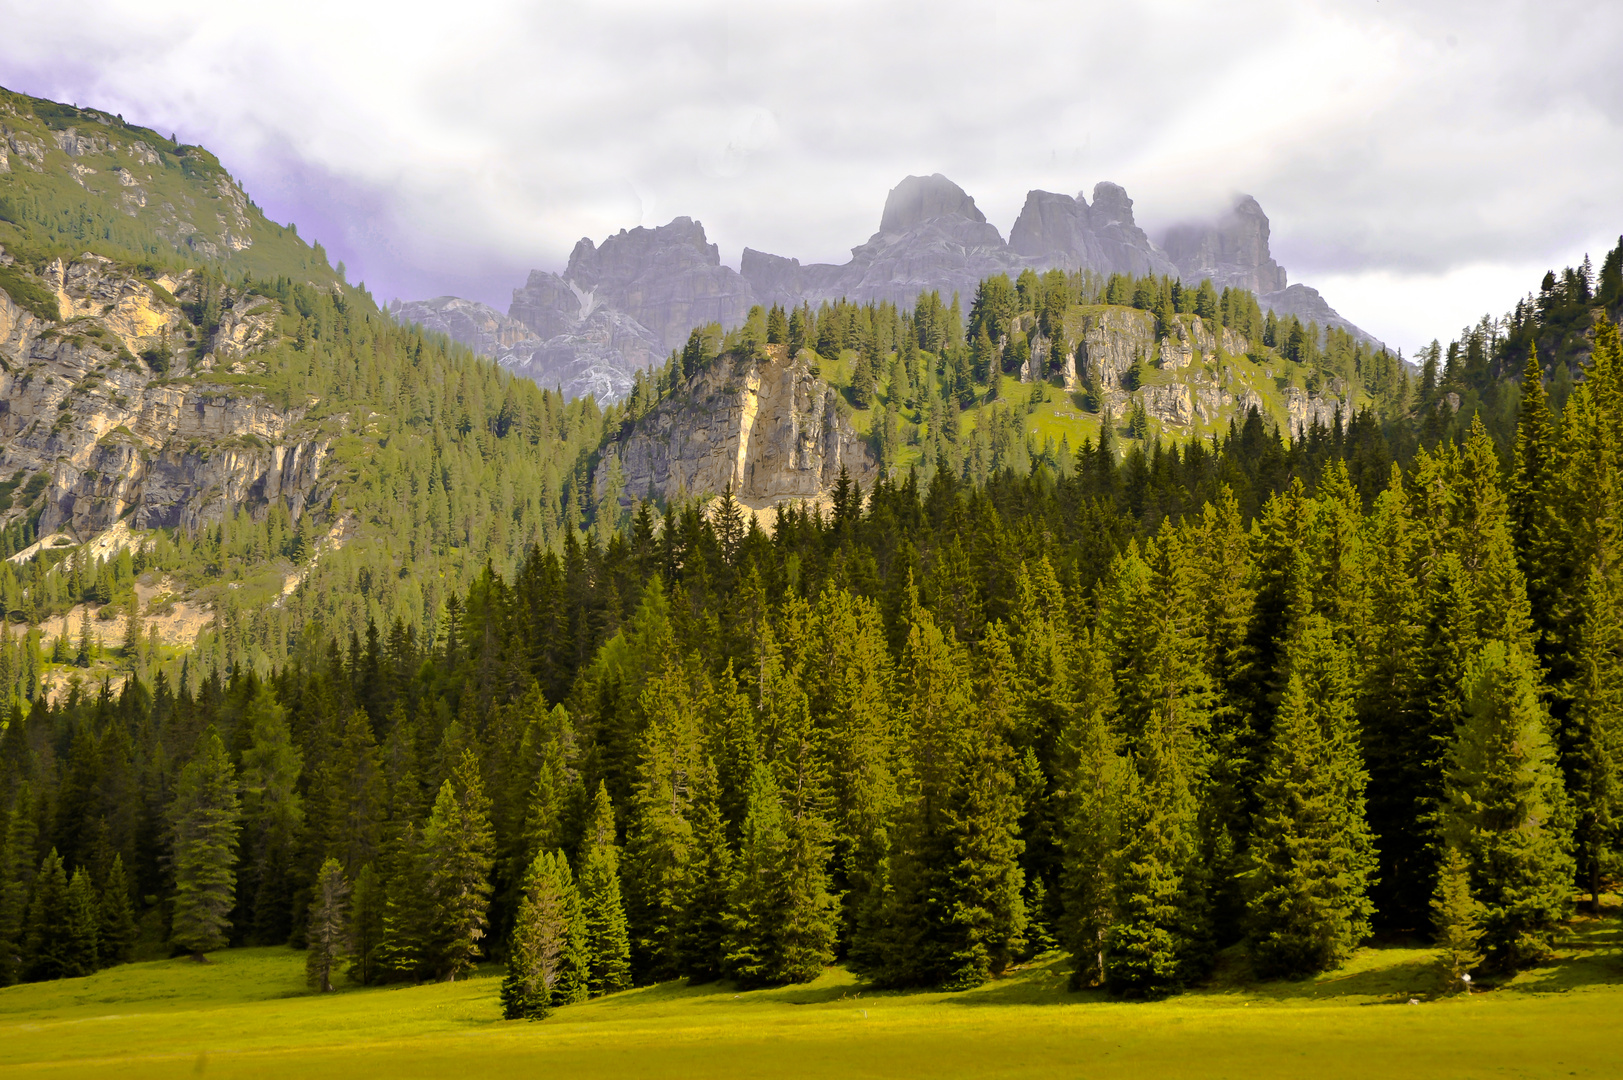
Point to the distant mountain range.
(624, 304)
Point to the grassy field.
(248, 1014)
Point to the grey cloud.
(444, 150)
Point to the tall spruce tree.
(204, 824)
(328, 933)
(273, 818)
(118, 929)
(81, 933)
(1092, 775)
(608, 943)
(985, 883)
(1507, 811)
(702, 929)
(48, 951)
(1311, 853)
(458, 852)
(546, 959)
(659, 844)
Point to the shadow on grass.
(1590, 954)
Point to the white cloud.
(448, 148)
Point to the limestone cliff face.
(766, 425)
(118, 440)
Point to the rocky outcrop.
(478, 326)
(931, 237)
(598, 355)
(1058, 231)
(1232, 251)
(119, 440)
(764, 424)
(668, 279)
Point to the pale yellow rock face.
(767, 426)
(120, 443)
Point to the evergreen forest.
(1275, 690)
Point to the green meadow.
(247, 1013)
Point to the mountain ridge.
(932, 237)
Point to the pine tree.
(1144, 942)
(660, 841)
(118, 929)
(982, 818)
(328, 934)
(81, 953)
(608, 943)
(702, 930)
(1507, 811)
(756, 905)
(1597, 709)
(1091, 775)
(47, 950)
(1311, 854)
(203, 843)
(273, 817)
(546, 959)
(458, 848)
(367, 906)
(1456, 920)
(16, 880)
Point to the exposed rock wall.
(766, 425)
(118, 441)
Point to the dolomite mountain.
(626, 303)
(764, 424)
(103, 438)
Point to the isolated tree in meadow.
(458, 852)
(608, 943)
(328, 932)
(204, 823)
(546, 958)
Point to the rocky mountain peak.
(918, 199)
(1111, 206)
(1232, 251)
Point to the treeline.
(930, 734)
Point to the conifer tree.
(81, 954)
(328, 933)
(16, 880)
(1311, 854)
(608, 944)
(458, 849)
(546, 959)
(1456, 920)
(1597, 710)
(117, 930)
(367, 906)
(702, 930)
(273, 817)
(660, 841)
(756, 905)
(985, 883)
(1092, 774)
(47, 949)
(1507, 811)
(204, 825)
(1144, 942)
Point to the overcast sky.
(1421, 163)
